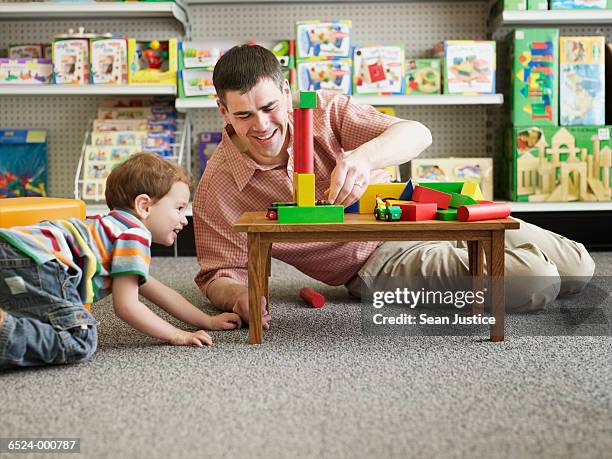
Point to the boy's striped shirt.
(94, 251)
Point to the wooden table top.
(256, 222)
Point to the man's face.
(260, 120)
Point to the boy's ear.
(142, 204)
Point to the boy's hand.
(225, 321)
(184, 338)
(241, 307)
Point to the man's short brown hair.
(143, 173)
(242, 67)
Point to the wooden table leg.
(496, 274)
(476, 261)
(257, 274)
(267, 255)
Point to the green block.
(446, 187)
(311, 214)
(458, 200)
(446, 214)
(308, 99)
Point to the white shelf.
(442, 99)
(35, 11)
(86, 90)
(493, 99)
(561, 206)
(553, 17)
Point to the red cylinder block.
(312, 297)
(477, 212)
(297, 140)
(307, 142)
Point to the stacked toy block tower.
(305, 209)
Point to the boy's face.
(167, 216)
(260, 120)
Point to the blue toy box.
(23, 163)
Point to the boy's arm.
(228, 294)
(176, 305)
(129, 308)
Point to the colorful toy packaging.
(582, 83)
(109, 60)
(534, 91)
(200, 54)
(469, 67)
(25, 52)
(333, 75)
(553, 163)
(378, 70)
(152, 62)
(478, 170)
(580, 4)
(316, 39)
(25, 71)
(23, 163)
(609, 78)
(511, 5)
(423, 77)
(537, 5)
(70, 60)
(99, 162)
(208, 144)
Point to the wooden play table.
(484, 238)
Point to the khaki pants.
(544, 265)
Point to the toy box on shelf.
(25, 71)
(609, 78)
(479, 170)
(582, 81)
(469, 67)
(284, 50)
(71, 57)
(207, 146)
(152, 62)
(423, 77)
(118, 133)
(196, 63)
(553, 163)
(378, 70)
(538, 5)
(34, 51)
(580, 4)
(534, 91)
(331, 74)
(109, 60)
(23, 163)
(321, 39)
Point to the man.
(253, 166)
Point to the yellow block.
(472, 190)
(304, 189)
(384, 190)
(27, 211)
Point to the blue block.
(407, 193)
(352, 209)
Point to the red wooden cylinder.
(312, 297)
(297, 139)
(307, 142)
(476, 212)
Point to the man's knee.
(532, 281)
(575, 277)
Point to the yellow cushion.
(27, 211)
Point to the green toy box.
(539, 5)
(555, 163)
(580, 4)
(423, 77)
(534, 87)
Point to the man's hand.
(241, 307)
(351, 177)
(225, 321)
(184, 338)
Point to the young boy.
(50, 270)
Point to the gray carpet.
(319, 388)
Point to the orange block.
(27, 211)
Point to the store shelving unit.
(31, 11)
(553, 18)
(493, 99)
(87, 90)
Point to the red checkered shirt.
(233, 183)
